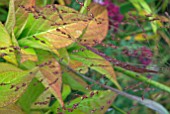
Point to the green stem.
(118, 109)
(143, 79)
(83, 10)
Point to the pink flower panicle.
(143, 54)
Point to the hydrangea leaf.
(52, 78)
(10, 23)
(21, 15)
(33, 92)
(96, 30)
(74, 81)
(97, 63)
(98, 103)
(59, 24)
(13, 83)
(6, 51)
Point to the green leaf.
(103, 98)
(12, 76)
(97, 63)
(63, 54)
(28, 54)
(62, 25)
(44, 31)
(74, 81)
(66, 91)
(125, 7)
(10, 23)
(21, 15)
(15, 44)
(5, 42)
(34, 90)
(45, 97)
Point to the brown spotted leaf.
(13, 82)
(97, 63)
(6, 51)
(96, 104)
(52, 78)
(58, 27)
(21, 15)
(97, 29)
(28, 54)
(74, 81)
(44, 98)
(78, 66)
(67, 21)
(32, 93)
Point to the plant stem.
(118, 109)
(142, 78)
(83, 9)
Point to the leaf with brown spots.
(74, 81)
(97, 63)
(6, 51)
(13, 82)
(99, 102)
(28, 54)
(60, 26)
(78, 66)
(52, 78)
(21, 15)
(98, 27)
